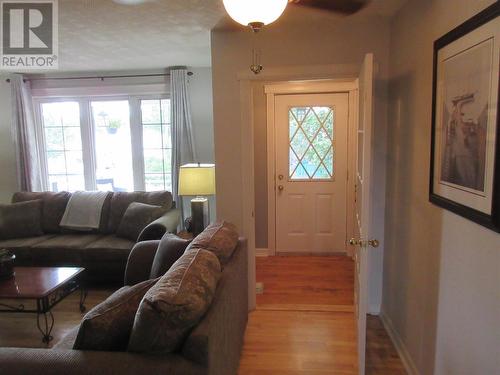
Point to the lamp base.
(200, 215)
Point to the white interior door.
(363, 200)
(311, 172)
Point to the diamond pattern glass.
(311, 132)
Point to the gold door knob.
(373, 243)
(354, 242)
(281, 187)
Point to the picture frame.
(465, 140)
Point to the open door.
(363, 239)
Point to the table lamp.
(198, 180)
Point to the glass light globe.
(248, 12)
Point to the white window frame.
(87, 128)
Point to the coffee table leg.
(45, 327)
(83, 296)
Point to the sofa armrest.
(140, 261)
(217, 340)
(168, 223)
(21, 361)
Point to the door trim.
(349, 87)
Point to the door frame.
(330, 86)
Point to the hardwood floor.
(20, 330)
(292, 334)
(305, 323)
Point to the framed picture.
(465, 159)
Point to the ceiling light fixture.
(256, 13)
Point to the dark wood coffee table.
(47, 286)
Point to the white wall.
(200, 90)
(441, 272)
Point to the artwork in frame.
(465, 147)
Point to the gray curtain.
(182, 128)
(23, 122)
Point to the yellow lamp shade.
(197, 179)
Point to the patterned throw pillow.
(136, 218)
(220, 238)
(176, 303)
(107, 326)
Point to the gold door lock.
(361, 243)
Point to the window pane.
(153, 161)
(54, 139)
(311, 131)
(157, 144)
(63, 145)
(152, 136)
(154, 182)
(113, 145)
(150, 110)
(72, 139)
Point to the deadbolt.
(280, 177)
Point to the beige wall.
(298, 39)
(441, 272)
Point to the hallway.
(305, 324)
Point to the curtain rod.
(102, 78)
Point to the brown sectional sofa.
(212, 347)
(103, 254)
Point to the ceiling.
(102, 35)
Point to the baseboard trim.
(404, 355)
(261, 252)
(374, 309)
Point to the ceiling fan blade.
(339, 6)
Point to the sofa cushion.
(169, 251)
(107, 326)
(176, 303)
(121, 200)
(108, 248)
(23, 248)
(68, 340)
(54, 205)
(68, 241)
(136, 218)
(220, 238)
(21, 219)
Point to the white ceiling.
(102, 35)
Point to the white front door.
(363, 229)
(311, 172)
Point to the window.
(113, 156)
(157, 144)
(311, 143)
(106, 143)
(63, 146)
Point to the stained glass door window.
(311, 137)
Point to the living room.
(146, 82)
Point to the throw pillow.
(107, 326)
(136, 218)
(176, 303)
(19, 220)
(220, 238)
(169, 251)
